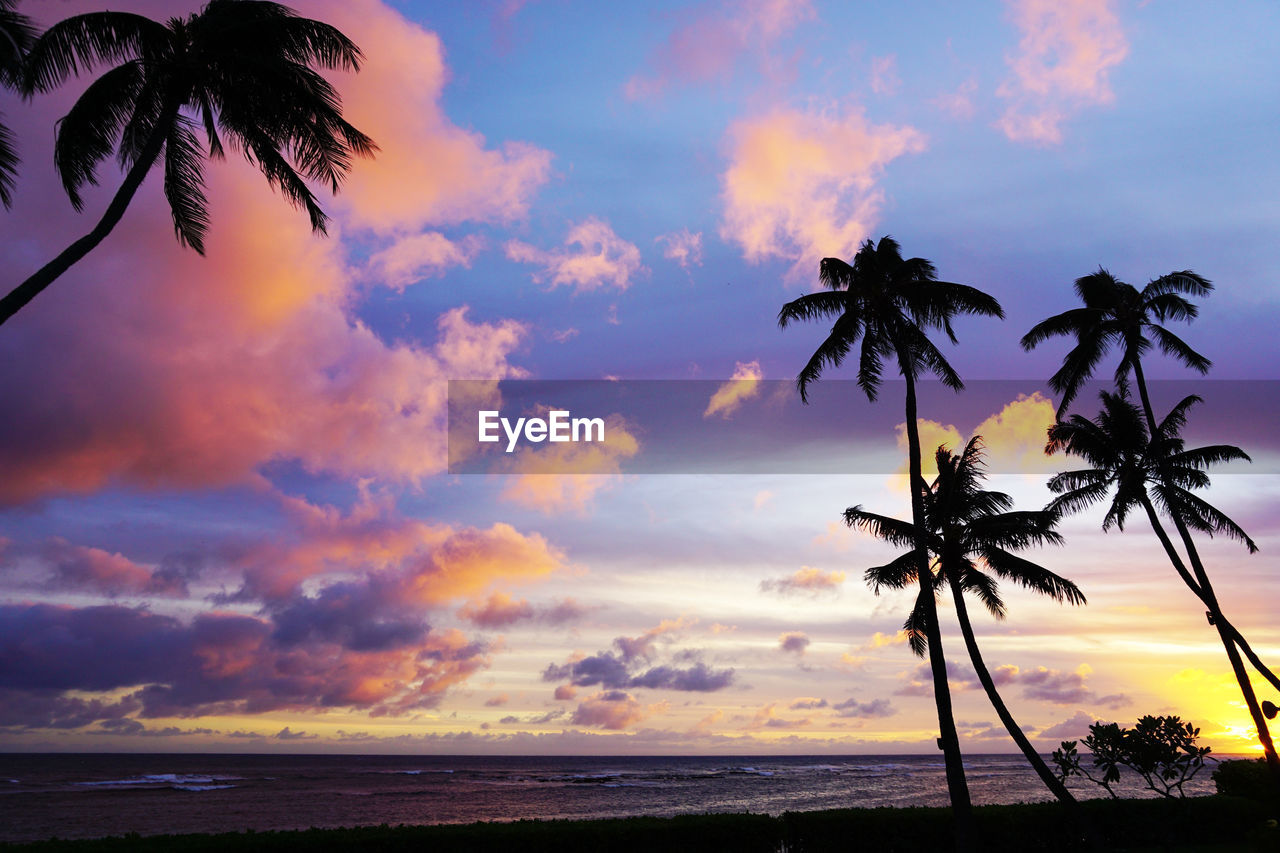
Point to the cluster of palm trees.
(240, 73)
(960, 534)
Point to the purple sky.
(226, 510)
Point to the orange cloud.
(801, 186)
(564, 477)
(709, 45)
(412, 560)
(609, 709)
(429, 171)
(932, 435)
(602, 259)
(1063, 62)
(742, 386)
(806, 579)
(500, 610)
(880, 641)
(195, 372)
(1015, 436)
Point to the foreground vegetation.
(1217, 823)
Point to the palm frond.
(813, 306)
(1172, 345)
(87, 134)
(834, 274)
(184, 184)
(899, 573)
(1180, 281)
(917, 625)
(1031, 575)
(983, 586)
(76, 44)
(892, 530)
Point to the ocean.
(92, 795)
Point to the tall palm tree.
(16, 36)
(882, 304)
(1155, 472)
(238, 70)
(1117, 313)
(970, 529)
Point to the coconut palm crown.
(1117, 314)
(238, 73)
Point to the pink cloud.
(805, 580)
(429, 171)
(426, 255)
(405, 560)
(958, 103)
(794, 642)
(64, 566)
(184, 371)
(601, 259)
(190, 371)
(608, 709)
(802, 186)
(884, 75)
(710, 43)
(1063, 63)
(683, 246)
(500, 610)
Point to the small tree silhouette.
(1162, 750)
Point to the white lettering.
(488, 424)
(559, 425)
(587, 424)
(512, 434)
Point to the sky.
(232, 518)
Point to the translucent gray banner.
(762, 427)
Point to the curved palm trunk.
(1233, 654)
(1205, 594)
(46, 275)
(1052, 782)
(1204, 591)
(949, 741)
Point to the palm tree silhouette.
(1155, 471)
(16, 36)
(969, 528)
(882, 303)
(238, 70)
(1117, 313)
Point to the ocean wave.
(160, 780)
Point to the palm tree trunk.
(1233, 654)
(42, 278)
(949, 741)
(1052, 782)
(1204, 590)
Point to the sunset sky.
(228, 520)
